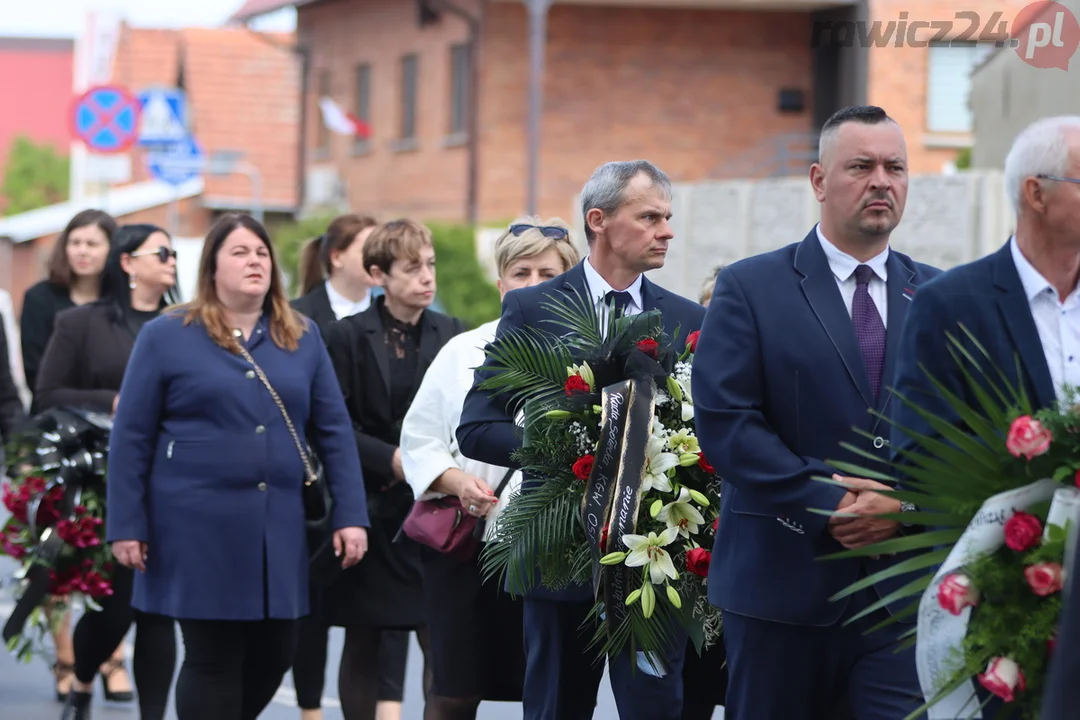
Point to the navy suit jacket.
(987, 297)
(778, 383)
(1062, 694)
(487, 431)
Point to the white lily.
(657, 462)
(681, 515)
(649, 552)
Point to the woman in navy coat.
(204, 479)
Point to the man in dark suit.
(1021, 302)
(627, 206)
(799, 344)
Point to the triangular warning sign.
(158, 121)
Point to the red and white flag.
(341, 122)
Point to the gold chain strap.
(312, 477)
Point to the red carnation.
(650, 347)
(691, 340)
(697, 561)
(1022, 531)
(704, 464)
(583, 467)
(576, 384)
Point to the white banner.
(940, 633)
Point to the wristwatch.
(907, 507)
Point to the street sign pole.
(538, 10)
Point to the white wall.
(188, 252)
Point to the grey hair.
(604, 190)
(1040, 149)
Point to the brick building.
(708, 89)
(243, 92)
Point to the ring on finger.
(473, 509)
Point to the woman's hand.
(130, 554)
(350, 542)
(476, 496)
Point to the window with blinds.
(949, 85)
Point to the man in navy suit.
(627, 208)
(799, 344)
(1021, 302)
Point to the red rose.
(704, 464)
(1027, 437)
(583, 467)
(956, 593)
(650, 347)
(697, 561)
(576, 384)
(691, 340)
(1003, 678)
(1022, 531)
(1045, 578)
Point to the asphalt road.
(27, 691)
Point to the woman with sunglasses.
(83, 366)
(475, 627)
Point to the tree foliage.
(463, 288)
(34, 176)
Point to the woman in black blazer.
(75, 268)
(74, 279)
(335, 285)
(380, 356)
(83, 366)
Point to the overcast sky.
(65, 18)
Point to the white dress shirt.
(843, 268)
(599, 288)
(1058, 323)
(429, 432)
(342, 306)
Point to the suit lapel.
(429, 345)
(1016, 311)
(322, 310)
(900, 289)
(819, 286)
(372, 328)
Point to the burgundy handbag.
(443, 524)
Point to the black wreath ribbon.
(613, 494)
(72, 444)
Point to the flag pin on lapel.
(909, 293)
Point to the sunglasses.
(548, 231)
(163, 253)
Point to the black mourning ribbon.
(613, 492)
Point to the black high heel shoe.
(65, 676)
(108, 670)
(77, 707)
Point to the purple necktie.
(868, 327)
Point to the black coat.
(85, 360)
(11, 407)
(40, 305)
(316, 305)
(385, 589)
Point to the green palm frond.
(526, 363)
(947, 473)
(577, 318)
(534, 523)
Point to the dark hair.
(865, 114)
(315, 259)
(59, 268)
(286, 324)
(115, 284)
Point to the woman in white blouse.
(461, 607)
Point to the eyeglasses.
(1058, 178)
(163, 253)
(548, 231)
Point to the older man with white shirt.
(1020, 302)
